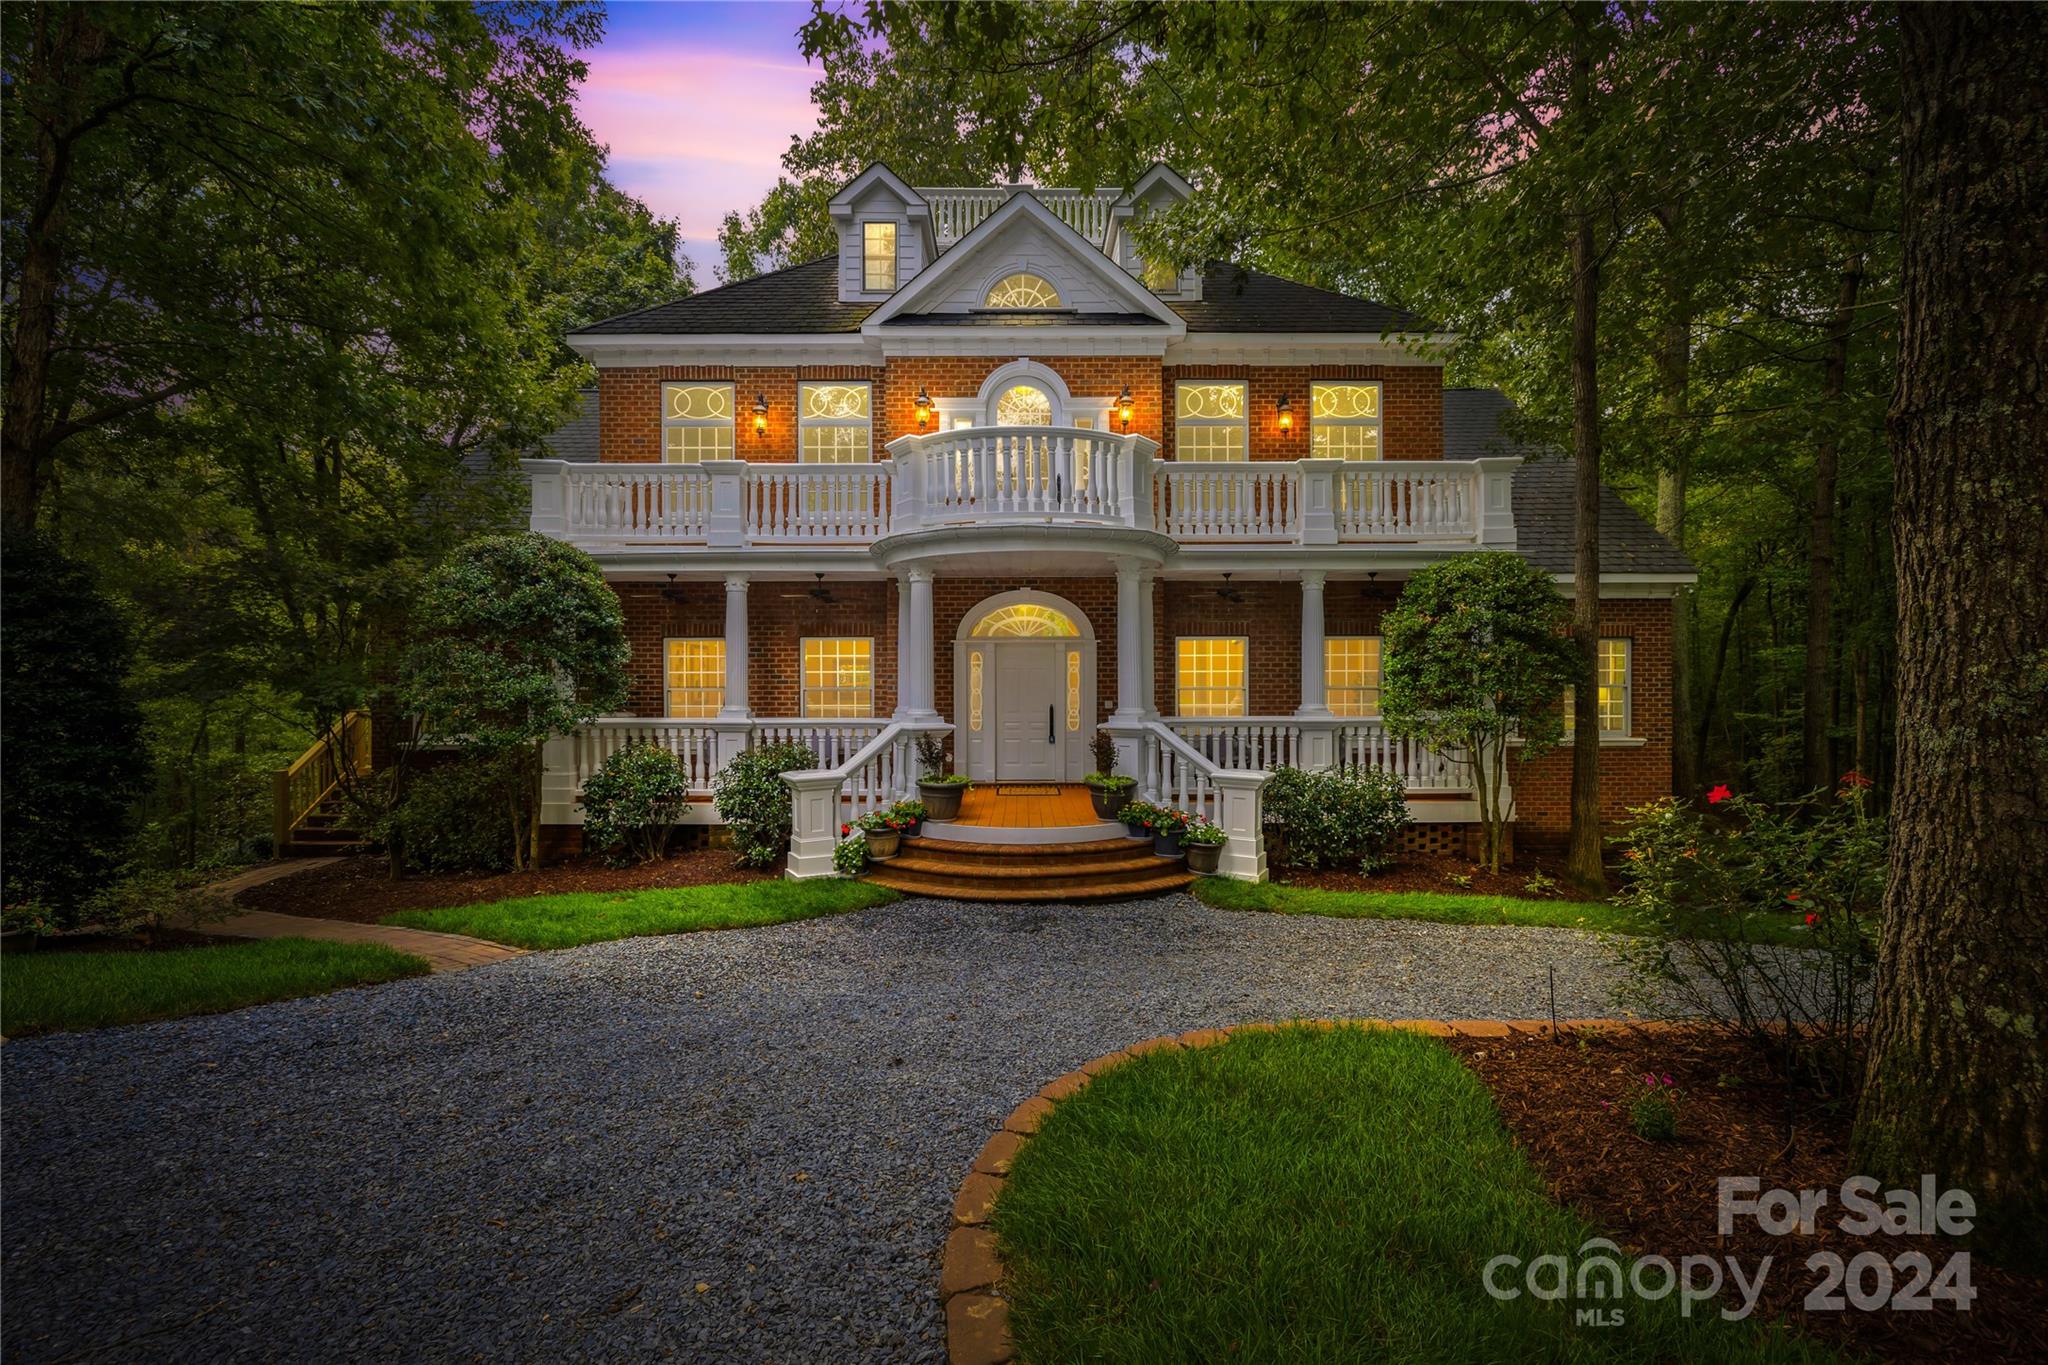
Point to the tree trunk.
(1957, 1081)
(1816, 714)
(1583, 864)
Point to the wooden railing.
(298, 790)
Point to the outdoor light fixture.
(1286, 411)
(760, 414)
(1123, 408)
(924, 407)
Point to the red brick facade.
(1411, 406)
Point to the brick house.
(988, 472)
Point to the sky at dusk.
(697, 103)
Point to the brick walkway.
(446, 952)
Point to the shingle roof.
(576, 439)
(802, 298)
(1545, 498)
(805, 298)
(1235, 299)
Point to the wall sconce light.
(1286, 413)
(760, 414)
(1123, 408)
(924, 407)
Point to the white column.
(736, 702)
(1148, 692)
(923, 693)
(813, 823)
(1315, 697)
(1130, 622)
(1238, 811)
(904, 652)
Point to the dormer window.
(878, 257)
(1159, 275)
(1023, 290)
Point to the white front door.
(1028, 688)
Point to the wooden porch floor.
(985, 805)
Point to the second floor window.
(1344, 421)
(1209, 420)
(878, 256)
(696, 423)
(1209, 675)
(833, 420)
(839, 678)
(1351, 674)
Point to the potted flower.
(884, 833)
(1167, 826)
(1203, 840)
(850, 854)
(1106, 788)
(912, 813)
(1137, 818)
(940, 790)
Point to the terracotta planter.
(883, 844)
(941, 799)
(1108, 800)
(1165, 844)
(1203, 857)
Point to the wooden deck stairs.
(309, 818)
(1099, 870)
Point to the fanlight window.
(1023, 406)
(1023, 291)
(1025, 620)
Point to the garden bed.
(360, 889)
(1567, 1105)
(1440, 872)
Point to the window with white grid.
(839, 677)
(1612, 670)
(1351, 674)
(696, 423)
(1209, 420)
(877, 256)
(696, 678)
(1344, 421)
(1209, 675)
(833, 422)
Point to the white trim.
(730, 348)
(1309, 348)
(866, 285)
(841, 204)
(1633, 585)
(1078, 340)
(1024, 597)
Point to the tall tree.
(1958, 1072)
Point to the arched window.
(1025, 620)
(1023, 405)
(1023, 290)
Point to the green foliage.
(1701, 885)
(70, 736)
(1203, 833)
(1112, 783)
(931, 755)
(452, 816)
(602, 916)
(756, 803)
(850, 855)
(48, 991)
(1102, 753)
(1344, 816)
(1475, 654)
(1654, 1113)
(632, 802)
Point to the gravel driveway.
(739, 1145)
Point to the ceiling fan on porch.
(820, 593)
(1228, 593)
(670, 592)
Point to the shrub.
(1700, 885)
(850, 855)
(755, 802)
(70, 735)
(1102, 751)
(1350, 815)
(451, 817)
(931, 755)
(631, 804)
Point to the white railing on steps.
(879, 773)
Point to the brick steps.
(1102, 869)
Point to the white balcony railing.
(1041, 475)
(1267, 742)
(958, 210)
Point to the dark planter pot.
(941, 799)
(1136, 830)
(916, 828)
(1108, 800)
(1204, 857)
(1165, 845)
(883, 844)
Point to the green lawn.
(1305, 1196)
(1444, 908)
(599, 916)
(42, 992)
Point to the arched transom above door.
(1026, 620)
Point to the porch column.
(918, 681)
(737, 705)
(1148, 692)
(1130, 623)
(904, 653)
(1315, 694)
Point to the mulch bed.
(360, 888)
(1436, 872)
(1567, 1104)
